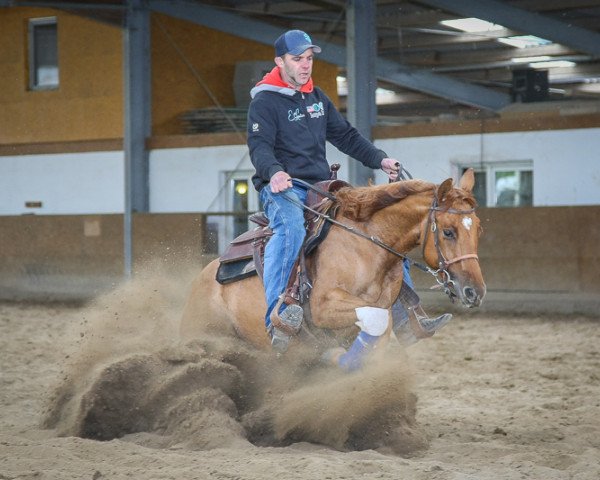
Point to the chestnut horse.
(350, 271)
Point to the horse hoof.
(332, 356)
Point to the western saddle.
(244, 256)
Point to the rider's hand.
(391, 166)
(280, 181)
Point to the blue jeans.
(287, 222)
(406, 268)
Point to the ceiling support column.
(361, 45)
(137, 118)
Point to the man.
(289, 122)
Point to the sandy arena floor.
(498, 397)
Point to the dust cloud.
(129, 375)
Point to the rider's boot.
(410, 322)
(285, 323)
(373, 323)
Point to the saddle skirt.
(244, 256)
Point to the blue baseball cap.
(294, 42)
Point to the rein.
(445, 281)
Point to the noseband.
(442, 275)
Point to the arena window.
(43, 53)
(503, 184)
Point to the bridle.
(441, 274)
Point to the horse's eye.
(448, 233)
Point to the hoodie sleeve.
(262, 128)
(349, 140)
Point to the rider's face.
(296, 69)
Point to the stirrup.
(290, 320)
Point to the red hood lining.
(274, 78)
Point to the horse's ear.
(443, 189)
(467, 181)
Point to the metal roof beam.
(217, 19)
(440, 86)
(515, 18)
(455, 90)
(62, 5)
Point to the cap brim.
(303, 48)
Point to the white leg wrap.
(372, 320)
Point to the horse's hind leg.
(204, 310)
(235, 309)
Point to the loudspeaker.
(529, 85)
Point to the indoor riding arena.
(124, 172)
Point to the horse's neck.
(400, 224)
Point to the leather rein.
(442, 275)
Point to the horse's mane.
(360, 203)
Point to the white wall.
(68, 183)
(566, 163)
(190, 179)
(566, 171)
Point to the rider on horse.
(289, 122)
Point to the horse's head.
(450, 239)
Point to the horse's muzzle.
(471, 297)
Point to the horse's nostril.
(470, 293)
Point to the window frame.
(225, 223)
(490, 169)
(32, 61)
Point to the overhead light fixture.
(553, 64)
(543, 61)
(524, 41)
(472, 25)
(540, 58)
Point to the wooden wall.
(88, 103)
(551, 250)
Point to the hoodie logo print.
(295, 115)
(315, 110)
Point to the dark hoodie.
(288, 129)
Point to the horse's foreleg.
(337, 309)
(341, 310)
